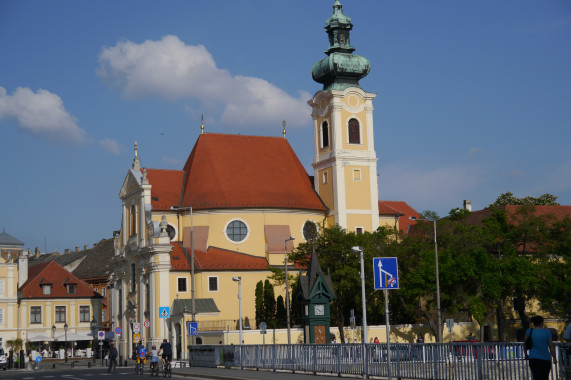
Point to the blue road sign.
(38, 359)
(164, 312)
(386, 273)
(192, 328)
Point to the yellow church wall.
(362, 118)
(357, 184)
(388, 221)
(326, 189)
(358, 221)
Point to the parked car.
(469, 348)
(3, 359)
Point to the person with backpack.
(542, 349)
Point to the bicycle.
(140, 368)
(167, 370)
(154, 368)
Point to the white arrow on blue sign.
(386, 273)
(192, 328)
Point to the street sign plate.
(136, 327)
(136, 338)
(118, 330)
(164, 312)
(38, 358)
(386, 273)
(101, 335)
(192, 328)
(147, 324)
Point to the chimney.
(37, 252)
(85, 247)
(67, 250)
(468, 205)
(76, 248)
(94, 245)
(22, 269)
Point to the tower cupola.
(340, 69)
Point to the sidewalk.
(236, 374)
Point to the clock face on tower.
(319, 310)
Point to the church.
(237, 207)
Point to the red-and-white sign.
(147, 323)
(136, 327)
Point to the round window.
(236, 231)
(309, 230)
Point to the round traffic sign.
(147, 323)
(118, 330)
(38, 359)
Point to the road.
(76, 374)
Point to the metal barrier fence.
(461, 361)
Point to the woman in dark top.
(542, 350)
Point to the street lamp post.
(65, 330)
(287, 290)
(364, 300)
(239, 281)
(93, 325)
(54, 336)
(438, 311)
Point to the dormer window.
(71, 288)
(46, 289)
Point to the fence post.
(479, 352)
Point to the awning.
(39, 337)
(73, 337)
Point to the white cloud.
(173, 70)
(111, 146)
(41, 113)
(440, 189)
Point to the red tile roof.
(234, 171)
(54, 274)
(396, 208)
(166, 187)
(215, 259)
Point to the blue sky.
(474, 97)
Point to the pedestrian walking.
(542, 350)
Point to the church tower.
(344, 163)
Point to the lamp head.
(357, 249)
(237, 278)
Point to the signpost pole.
(387, 327)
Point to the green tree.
(14, 344)
(259, 294)
(269, 304)
(509, 199)
(333, 248)
(281, 315)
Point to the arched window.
(325, 134)
(133, 278)
(354, 132)
(133, 221)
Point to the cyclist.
(141, 355)
(154, 359)
(166, 350)
(112, 357)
